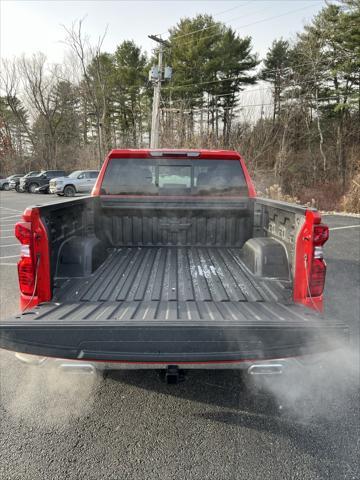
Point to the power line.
(176, 87)
(259, 21)
(237, 77)
(217, 14)
(215, 26)
(300, 97)
(224, 94)
(274, 70)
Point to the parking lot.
(216, 425)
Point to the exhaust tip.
(267, 369)
(30, 359)
(78, 369)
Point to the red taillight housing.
(321, 235)
(23, 232)
(26, 275)
(26, 270)
(317, 271)
(317, 277)
(34, 263)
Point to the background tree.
(211, 65)
(129, 87)
(275, 71)
(236, 62)
(306, 140)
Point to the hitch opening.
(172, 375)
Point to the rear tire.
(17, 188)
(69, 191)
(33, 187)
(5, 186)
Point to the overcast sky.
(30, 26)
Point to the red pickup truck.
(172, 262)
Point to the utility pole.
(100, 142)
(156, 76)
(99, 135)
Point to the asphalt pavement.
(216, 425)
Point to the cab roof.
(175, 153)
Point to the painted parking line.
(7, 264)
(10, 245)
(11, 209)
(10, 256)
(10, 216)
(343, 228)
(8, 236)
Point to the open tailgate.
(170, 331)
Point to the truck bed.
(173, 274)
(172, 305)
(172, 282)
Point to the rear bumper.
(260, 367)
(49, 331)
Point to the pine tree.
(275, 71)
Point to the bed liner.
(197, 274)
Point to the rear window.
(174, 177)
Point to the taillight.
(321, 235)
(23, 232)
(317, 277)
(318, 266)
(26, 275)
(26, 269)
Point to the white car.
(5, 182)
(80, 181)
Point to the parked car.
(80, 181)
(5, 182)
(173, 262)
(31, 183)
(42, 189)
(15, 182)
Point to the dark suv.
(32, 183)
(14, 184)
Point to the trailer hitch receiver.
(172, 375)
